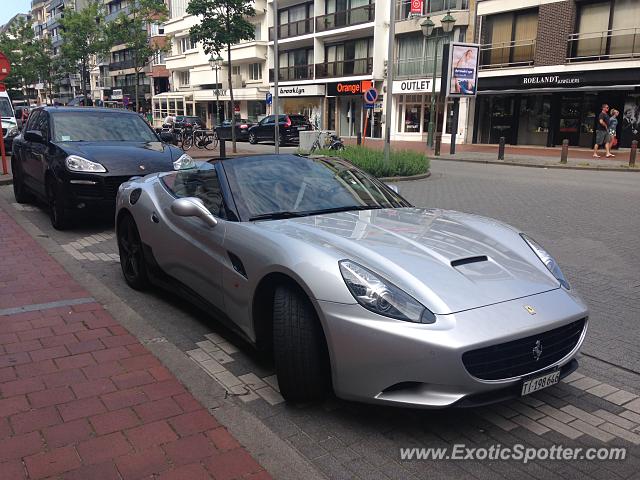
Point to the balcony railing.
(293, 29)
(606, 45)
(346, 18)
(345, 68)
(297, 72)
(122, 65)
(518, 53)
(417, 67)
(403, 7)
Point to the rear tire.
(300, 350)
(281, 141)
(252, 138)
(58, 213)
(132, 261)
(211, 141)
(19, 190)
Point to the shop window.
(533, 120)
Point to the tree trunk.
(84, 80)
(233, 106)
(135, 62)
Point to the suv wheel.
(19, 190)
(252, 138)
(59, 215)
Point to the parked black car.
(289, 127)
(242, 129)
(183, 121)
(75, 159)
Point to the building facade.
(547, 66)
(330, 52)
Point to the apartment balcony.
(249, 51)
(56, 40)
(606, 45)
(110, 17)
(346, 18)
(345, 68)
(417, 67)
(293, 29)
(122, 65)
(297, 72)
(518, 53)
(54, 4)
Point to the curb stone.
(539, 165)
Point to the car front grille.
(104, 189)
(111, 185)
(517, 358)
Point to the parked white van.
(9, 123)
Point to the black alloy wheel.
(131, 254)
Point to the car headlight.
(79, 164)
(548, 260)
(382, 297)
(184, 162)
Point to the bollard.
(223, 149)
(359, 138)
(632, 154)
(436, 151)
(501, 148)
(564, 153)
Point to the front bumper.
(380, 360)
(92, 191)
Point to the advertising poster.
(463, 70)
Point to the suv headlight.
(79, 164)
(382, 297)
(184, 162)
(548, 260)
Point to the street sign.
(416, 6)
(269, 98)
(370, 96)
(369, 105)
(5, 67)
(116, 94)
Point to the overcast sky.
(11, 7)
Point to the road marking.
(77, 248)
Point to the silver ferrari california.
(349, 286)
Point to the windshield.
(5, 107)
(99, 126)
(287, 185)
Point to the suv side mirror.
(193, 207)
(34, 136)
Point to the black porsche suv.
(76, 158)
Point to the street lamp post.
(216, 64)
(448, 22)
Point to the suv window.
(298, 120)
(201, 183)
(267, 120)
(43, 124)
(33, 119)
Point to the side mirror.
(394, 187)
(193, 207)
(166, 137)
(34, 136)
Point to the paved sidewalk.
(549, 157)
(81, 398)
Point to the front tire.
(131, 255)
(19, 190)
(59, 215)
(252, 138)
(300, 350)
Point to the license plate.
(302, 128)
(538, 383)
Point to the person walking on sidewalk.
(612, 140)
(602, 130)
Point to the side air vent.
(468, 260)
(237, 264)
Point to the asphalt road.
(588, 220)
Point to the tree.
(84, 38)
(222, 23)
(131, 30)
(19, 46)
(50, 68)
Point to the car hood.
(126, 158)
(436, 256)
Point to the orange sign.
(5, 67)
(349, 88)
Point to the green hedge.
(402, 162)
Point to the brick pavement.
(81, 398)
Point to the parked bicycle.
(199, 138)
(331, 142)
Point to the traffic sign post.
(269, 98)
(370, 98)
(5, 70)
